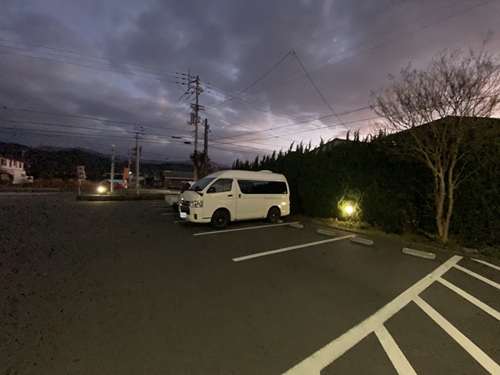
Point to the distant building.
(330, 145)
(175, 179)
(489, 126)
(13, 171)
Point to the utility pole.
(205, 149)
(139, 131)
(137, 158)
(128, 170)
(195, 119)
(112, 175)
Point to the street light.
(349, 209)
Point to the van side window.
(262, 187)
(222, 185)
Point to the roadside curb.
(362, 241)
(327, 232)
(120, 198)
(418, 253)
(433, 249)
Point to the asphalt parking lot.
(127, 288)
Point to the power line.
(83, 117)
(254, 83)
(318, 90)
(297, 123)
(99, 130)
(355, 20)
(217, 140)
(59, 125)
(309, 77)
(252, 102)
(123, 150)
(91, 56)
(80, 135)
(91, 136)
(377, 46)
(86, 66)
(173, 110)
(107, 62)
(397, 37)
(390, 32)
(241, 126)
(310, 130)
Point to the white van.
(236, 195)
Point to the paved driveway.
(125, 288)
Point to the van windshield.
(201, 184)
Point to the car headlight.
(101, 189)
(196, 204)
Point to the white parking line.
(471, 348)
(246, 257)
(470, 298)
(329, 353)
(398, 359)
(240, 229)
(479, 277)
(487, 264)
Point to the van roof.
(251, 175)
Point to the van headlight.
(196, 204)
(101, 189)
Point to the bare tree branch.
(433, 111)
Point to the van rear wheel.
(273, 214)
(220, 219)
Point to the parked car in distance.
(173, 199)
(105, 185)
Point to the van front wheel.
(273, 214)
(220, 219)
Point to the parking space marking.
(479, 277)
(247, 257)
(487, 264)
(329, 353)
(240, 229)
(470, 298)
(482, 358)
(398, 359)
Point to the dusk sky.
(89, 73)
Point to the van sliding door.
(250, 202)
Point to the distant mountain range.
(54, 162)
